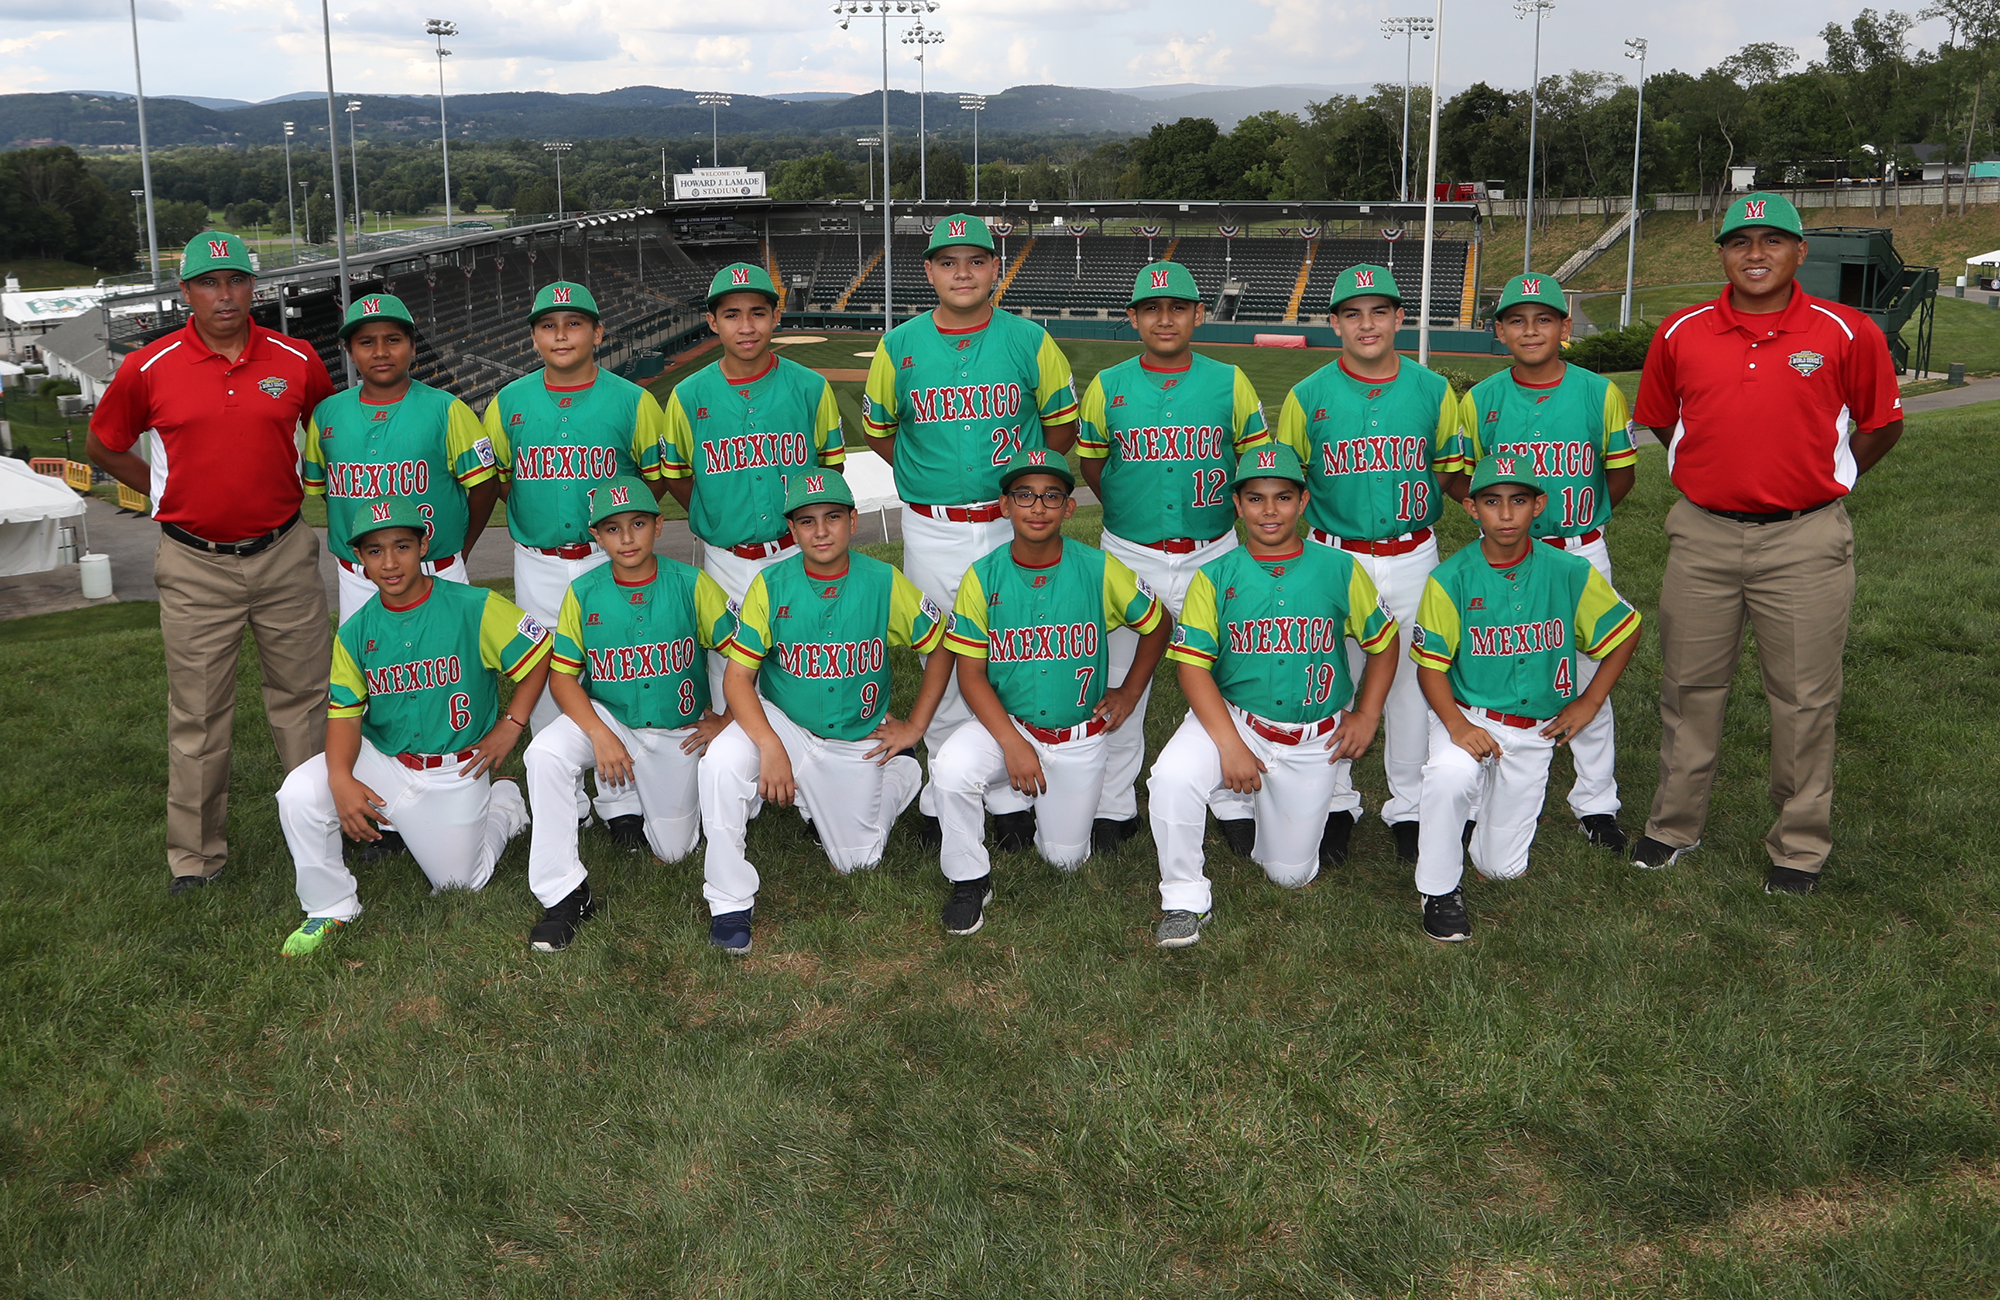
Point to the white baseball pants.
(1507, 792)
(539, 583)
(970, 773)
(850, 800)
(733, 574)
(663, 777)
(1297, 785)
(1594, 750)
(455, 826)
(354, 589)
(936, 554)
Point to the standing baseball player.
(1379, 438)
(1030, 631)
(1573, 427)
(1262, 653)
(737, 430)
(951, 395)
(1158, 437)
(557, 433)
(414, 729)
(1495, 644)
(808, 692)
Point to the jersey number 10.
(1579, 506)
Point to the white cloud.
(87, 10)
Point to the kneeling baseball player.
(1496, 642)
(1262, 655)
(414, 727)
(808, 692)
(632, 683)
(1031, 632)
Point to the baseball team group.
(1291, 573)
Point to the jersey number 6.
(461, 711)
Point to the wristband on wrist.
(508, 717)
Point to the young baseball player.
(737, 430)
(633, 688)
(1573, 427)
(1262, 652)
(950, 396)
(808, 691)
(558, 433)
(414, 728)
(1030, 631)
(1379, 438)
(1495, 644)
(1158, 437)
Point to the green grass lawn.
(1651, 302)
(1628, 1083)
(50, 273)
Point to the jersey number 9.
(870, 693)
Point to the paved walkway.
(1979, 390)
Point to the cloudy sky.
(258, 49)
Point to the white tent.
(32, 508)
(1985, 259)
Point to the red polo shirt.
(226, 456)
(1762, 406)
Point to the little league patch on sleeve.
(273, 386)
(484, 449)
(529, 628)
(1806, 362)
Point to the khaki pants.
(205, 601)
(1795, 581)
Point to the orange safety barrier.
(52, 466)
(1279, 340)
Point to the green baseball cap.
(1035, 460)
(1539, 289)
(215, 250)
(741, 277)
(373, 307)
(1164, 280)
(386, 512)
(563, 295)
(802, 490)
(1272, 460)
(1761, 209)
(621, 495)
(960, 228)
(1363, 281)
(1503, 468)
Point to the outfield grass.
(1656, 1084)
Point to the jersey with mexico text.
(1273, 630)
(1373, 448)
(740, 439)
(426, 446)
(959, 402)
(425, 680)
(820, 645)
(1042, 630)
(1508, 637)
(1169, 440)
(555, 444)
(637, 646)
(1571, 431)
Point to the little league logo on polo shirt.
(272, 386)
(1806, 362)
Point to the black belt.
(1768, 517)
(248, 546)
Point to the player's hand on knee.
(1476, 741)
(703, 731)
(1351, 739)
(612, 759)
(1242, 770)
(892, 737)
(774, 778)
(1024, 769)
(358, 806)
(1576, 715)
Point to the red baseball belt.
(1393, 546)
(1573, 543)
(573, 551)
(1284, 733)
(983, 513)
(425, 762)
(1504, 719)
(1182, 545)
(758, 550)
(1057, 735)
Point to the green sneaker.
(306, 940)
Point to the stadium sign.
(719, 183)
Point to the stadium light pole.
(1522, 8)
(1409, 28)
(354, 156)
(307, 205)
(558, 148)
(848, 11)
(145, 152)
(714, 101)
(1634, 49)
(870, 143)
(333, 176)
(922, 37)
(441, 28)
(973, 104)
(291, 211)
(1430, 195)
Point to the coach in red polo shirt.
(1771, 403)
(220, 404)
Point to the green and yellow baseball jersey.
(425, 680)
(638, 647)
(820, 645)
(1274, 631)
(959, 402)
(1508, 638)
(428, 447)
(1042, 632)
(555, 444)
(1572, 431)
(739, 442)
(1373, 449)
(1169, 441)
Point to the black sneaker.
(731, 931)
(182, 884)
(1333, 840)
(1406, 841)
(1106, 835)
(388, 846)
(1603, 831)
(1014, 831)
(1654, 854)
(965, 910)
(558, 926)
(1445, 917)
(927, 832)
(812, 831)
(1787, 880)
(1240, 835)
(627, 832)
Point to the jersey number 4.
(1565, 684)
